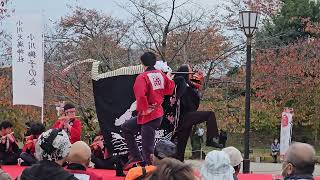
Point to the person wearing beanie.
(79, 159)
(149, 90)
(27, 157)
(217, 166)
(163, 149)
(235, 159)
(52, 149)
(69, 123)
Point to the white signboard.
(27, 60)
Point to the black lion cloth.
(115, 103)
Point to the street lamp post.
(248, 23)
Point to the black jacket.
(300, 177)
(46, 170)
(189, 101)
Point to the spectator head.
(6, 127)
(172, 169)
(299, 160)
(36, 129)
(69, 110)
(235, 158)
(217, 166)
(80, 153)
(27, 128)
(148, 59)
(275, 140)
(163, 149)
(53, 145)
(185, 68)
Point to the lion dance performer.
(181, 111)
(149, 90)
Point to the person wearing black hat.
(69, 123)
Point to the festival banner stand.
(286, 131)
(28, 60)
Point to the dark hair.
(148, 59)
(68, 106)
(28, 124)
(185, 68)
(172, 169)
(36, 128)
(5, 125)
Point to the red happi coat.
(149, 90)
(29, 145)
(75, 132)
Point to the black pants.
(28, 159)
(9, 158)
(102, 163)
(130, 129)
(186, 123)
(114, 162)
(275, 156)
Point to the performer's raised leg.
(185, 127)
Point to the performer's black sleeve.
(181, 86)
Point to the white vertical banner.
(286, 130)
(27, 59)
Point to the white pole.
(42, 108)
(42, 114)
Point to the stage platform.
(14, 171)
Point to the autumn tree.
(288, 77)
(81, 35)
(156, 21)
(203, 45)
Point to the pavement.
(257, 168)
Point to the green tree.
(289, 24)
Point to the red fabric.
(93, 176)
(29, 144)
(16, 170)
(149, 89)
(75, 131)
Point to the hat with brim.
(217, 166)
